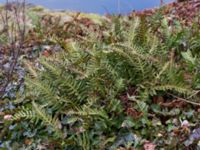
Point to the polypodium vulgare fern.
(69, 93)
(79, 89)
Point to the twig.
(185, 100)
(17, 34)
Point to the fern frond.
(51, 68)
(153, 44)
(163, 69)
(141, 34)
(24, 113)
(74, 87)
(173, 88)
(131, 53)
(43, 89)
(32, 71)
(133, 31)
(87, 112)
(83, 140)
(54, 123)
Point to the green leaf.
(189, 57)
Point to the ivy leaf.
(124, 140)
(188, 57)
(70, 120)
(128, 123)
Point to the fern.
(73, 88)
(42, 88)
(132, 35)
(54, 123)
(141, 33)
(163, 70)
(24, 113)
(50, 68)
(87, 79)
(174, 88)
(88, 112)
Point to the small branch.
(17, 34)
(185, 100)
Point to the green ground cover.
(86, 82)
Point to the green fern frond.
(163, 69)
(131, 53)
(141, 34)
(43, 89)
(24, 113)
(133, 31)
(173, 88)
(74, 87)
(87, 112)
(83, 140)
(32, 71)
(51, 68)
(54, 123)
(153, 43)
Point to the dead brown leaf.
(174, 104)
(28, 141)
(158, 99)
(134, 113)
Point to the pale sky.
(97, 6)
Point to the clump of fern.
(76, 85)
(77, 92)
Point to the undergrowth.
(110, 89)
